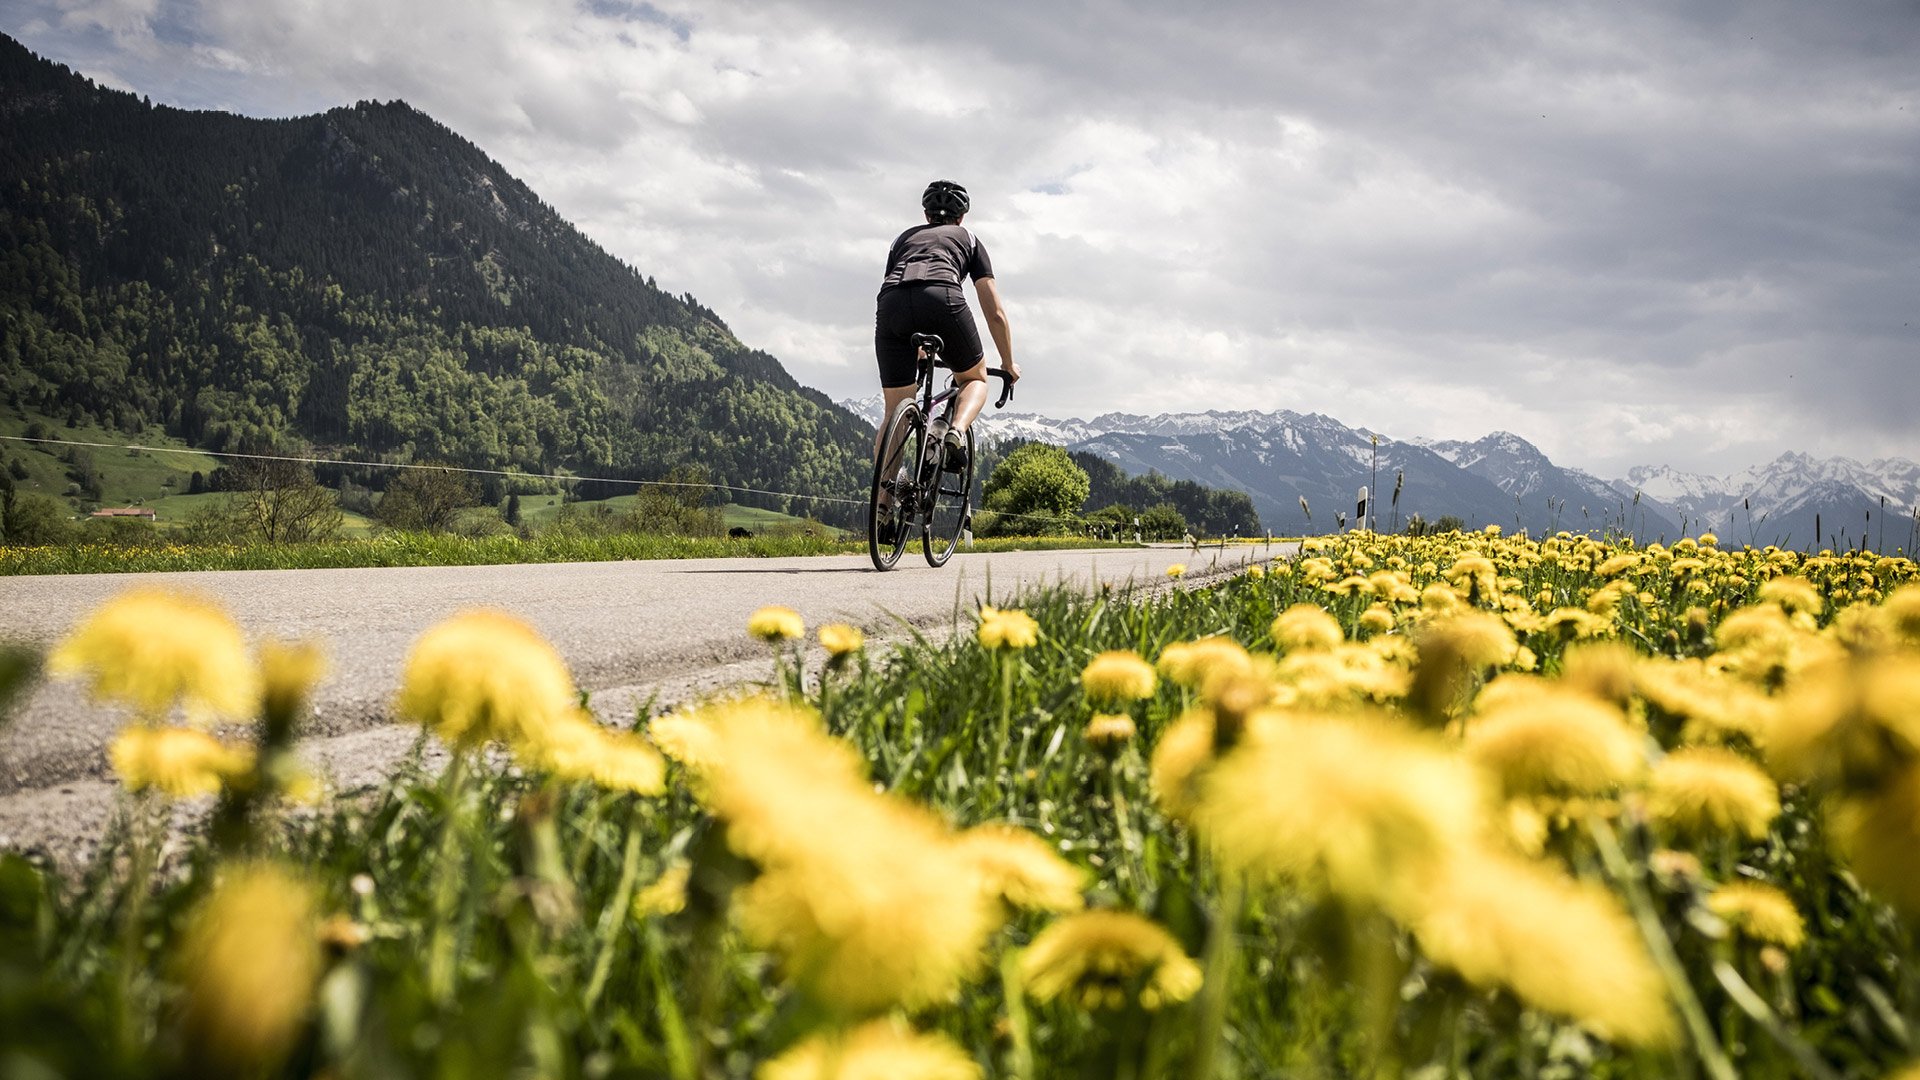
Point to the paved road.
(629, 627)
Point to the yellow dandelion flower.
(1706, 789)
(1394, 587)
(1605, 601)
(1617, 565)
(1471, 565)
(1862, 628)
(1878, 831)
(1096, 959)
(1360, 807)
(1902, 612)
(1021, 870)
(1377, 619)
(575, 747)
(1108, 732)
(1177, 570)
(1192, 663)
(151, 649)
(840, 639)
(866, 898)
(485, 675)
(877, 1050)
(1575, 623)
(1555, 742)
(1754, 626)
(1306, 627)
(1007, 629)
(776, 622)
(1761, 912)
(176, 761)
(1792, 594)
(1343, 675)
(1256, 571)
(666, 895)
(1478, 639)
(1185, 748)
(1603, 670)
(686, 739)
(1474, 573)
(1712, 708)
(249, 959)
(1118, 675)
(1318, 569)
(1848, 722)
(1351, 585)
(1503, 921)
(699, 737)
(1708, 539)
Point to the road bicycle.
(923, 492)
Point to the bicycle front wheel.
(949, 502)
(893, 498)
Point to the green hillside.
(365, 282)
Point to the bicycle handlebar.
(1006, 386)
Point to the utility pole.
(1373, 519)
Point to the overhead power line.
(512, 474)
(509, 473)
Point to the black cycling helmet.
(945, 200)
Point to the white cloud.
(1627, 232)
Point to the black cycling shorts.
(907, 310)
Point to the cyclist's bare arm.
(996, 315)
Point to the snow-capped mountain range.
(1280, 458)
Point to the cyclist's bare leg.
(973, 395)
(892, 397)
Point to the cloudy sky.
(1630, 231)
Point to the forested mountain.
(364, 281)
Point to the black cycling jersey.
(936, 255)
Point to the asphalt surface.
(630, 631)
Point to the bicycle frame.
(912, 489)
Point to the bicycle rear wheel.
(949, 502)
(907, 436)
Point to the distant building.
(143, 512)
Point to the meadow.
(1457, 805)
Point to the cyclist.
(921, 294)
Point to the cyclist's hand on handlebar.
(1012, 369)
